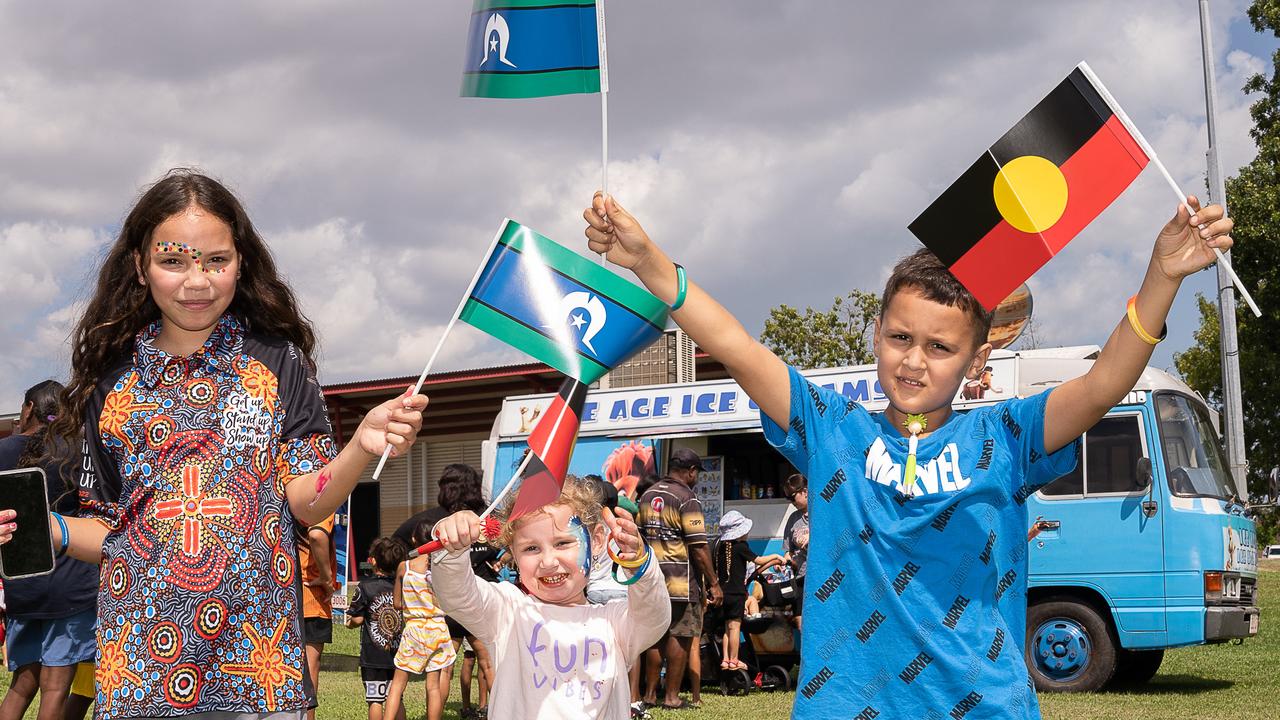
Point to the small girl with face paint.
(554, 654)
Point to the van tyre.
(1136, 667)
(1070, 646)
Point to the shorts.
(83, 683)
(317, 631)
(734, 607)
(425, 646)
(376, 682)
(797, 603)
(456, 631)
(57, 642)
(686, 617)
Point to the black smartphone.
(30, 551)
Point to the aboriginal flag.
(553, 304)
(550, 447)
(1034, 190)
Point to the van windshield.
(1193, 455)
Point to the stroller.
(769, 650)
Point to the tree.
(1253, 198)
(1031, 336)
(839, 336)
(1200, 366)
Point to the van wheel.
(1135, 667)
(1069, 647)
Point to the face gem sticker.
(185, 249)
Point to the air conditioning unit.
(667, 360)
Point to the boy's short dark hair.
(925, 273)
(387, 554)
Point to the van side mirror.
(1149, 506)
(1144, 473)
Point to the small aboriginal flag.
(531, 48)
(552, 303)
(1034, 190)
(551, 446)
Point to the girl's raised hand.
(459, 531)
(624, 533)
(394, 422)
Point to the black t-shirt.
(482, 554)
(72, 587)
(380, 634)
(731, 561)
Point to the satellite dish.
(1010, 318)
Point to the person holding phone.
(206, 441)
(50, 618)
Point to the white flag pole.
(1155, 160)
(603, 50)
(448, 328)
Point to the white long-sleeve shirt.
(554, 661)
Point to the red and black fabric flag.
(1033, 191)
(550, 448)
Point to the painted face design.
(579, 530)
(194, 254)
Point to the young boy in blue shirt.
(915, 603)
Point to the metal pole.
(1232, 405)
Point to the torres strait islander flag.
(531, 48)
(1034, 190)
(555, 305)
(550, 448)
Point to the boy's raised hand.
(1185, 244)
(459, 531)
(623, 532)
(615, 232)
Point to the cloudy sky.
(777, 148)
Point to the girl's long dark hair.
(121, 306)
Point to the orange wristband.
(1132, 314)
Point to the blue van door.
(1103, 553)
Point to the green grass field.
(1239, 682)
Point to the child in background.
(601, 585)
(425, 645)
(795, 540)
(373, 610)
(731, 558)
(555, 654)
(920, 563)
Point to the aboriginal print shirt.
(186, 462)
(915, 597)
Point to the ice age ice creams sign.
(722, 401)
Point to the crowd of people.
(195, 435)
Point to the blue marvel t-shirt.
(915, 602)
